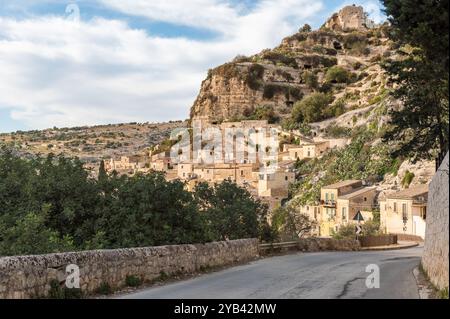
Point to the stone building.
(405, 212)
(125, 163)
(341, 202)
(349, 18)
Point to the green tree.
(231, 211)
(337, 74)
(311, 80)
(30, 235)
(305, 28)
(147, 210)
(102, 171)
(311, 108)
(420, 127)
(291, 223)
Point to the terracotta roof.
(342, 184)
(409, 193)
(357, 192)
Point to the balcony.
(420, 202)
(329, 203)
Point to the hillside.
(300, 65)
(327, 83)
(91, 144)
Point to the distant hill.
(91, 144)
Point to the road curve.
(323, 275)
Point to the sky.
(89, 62)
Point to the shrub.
(337, 74)
(286, 75)
(356, 44)
(371, 228)
(265, 113)
(407, 179)
(357, 65)
(104, 289)
(271, 89)
(326, 88)
(291, 93)
(310, 80)
(254, 76)
(58, 292)
(336, 109)
(335, 131)
(305, 28)
(279, 58)
(344, 232)
(241, 59)
(133, 281)
(311, 108)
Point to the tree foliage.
(421, 125)
(292, 224)
(52, 205)
(311, 108)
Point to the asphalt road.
(301, 276)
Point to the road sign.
(358, 230)
(358, 217)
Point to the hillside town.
(343, 203)
(313, 169)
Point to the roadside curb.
(423, 286)
(383, 248)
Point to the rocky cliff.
(280, 77)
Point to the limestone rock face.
(229, 92)
(281, 76)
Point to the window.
(405, 211)
(296, 154)
(286, 178)
(344, 213)
(326, 196)
(424, 213)
(242, 173)
(365, 199)
(332, 196)
(395, 207)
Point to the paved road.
(310, 275)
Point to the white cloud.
(57, 72)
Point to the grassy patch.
(133, 281)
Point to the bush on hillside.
(311, 108)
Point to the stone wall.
(313, 245)
(435, 257)
(30, 276)
(379, 240)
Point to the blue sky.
(131, 60)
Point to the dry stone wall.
(435, 257)
(30, 276)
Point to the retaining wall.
(435, 255)
(30, 276)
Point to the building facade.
(405, 212)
